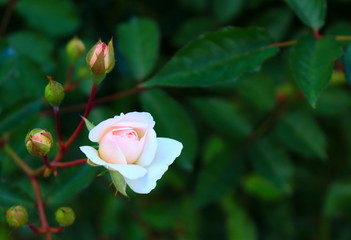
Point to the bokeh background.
(258, 161)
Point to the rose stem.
(7, 16)
(70, 164)
(44, 223)
(316, 34)
(76, 132)
(108, 98)
(9, 151)
(58, 125)
(30, 173)
(47, 163)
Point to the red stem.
(47, 163)
(44, 224)
(34, 228)
(316, 34)
(58, 125)
(70, 164)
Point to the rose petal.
(150, 148)
(129, 171)
(167, 151)
(140, 117)
(99, 130)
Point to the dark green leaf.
(55, 17)
(18, 113)
(337, 200)
(216, 57)
(271, 162)
(119, 182)
(310, 12)
(260, 187)
(334, 102)
(239, 224)
(312, 64)
(347, 63)
(34, 46)
(301, 134)
(223, 116)
(218, 177)
(71, 183)
(225, 10)
(173, 122)
(257, 89)
(8, 61)
(138, 40)
(11, 195)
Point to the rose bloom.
(128, 145)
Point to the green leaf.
(272, 163)
(225, 10)
(34, 46)
(311, 12)
(55, 17)
(216, 57)
(337, 200)
(172, 122)
(257, 89)
(218, 177)
(301, 133)
(223, 116)
(119, 182)
(239, 224)
(18, 113)
(334, 102)
(71, 183)
(347, 63)
(8, 61)
(311, 64)
(88, 124)
(11, 195)
(261, 188)
(139, 40)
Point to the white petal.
(93, 155)
(129, 171)
(167, 151)
(149, 150)
(99, 130)
(140, 117)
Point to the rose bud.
(16, 216)
(101, 58)
(38, 142)
(65, 216)
(54, 92)
(128, 144)
(75, 48)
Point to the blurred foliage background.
(258, 161)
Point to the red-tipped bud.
(65, 216)
(101, 58)
(16, 216)
(38, 142)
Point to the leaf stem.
(9, 151)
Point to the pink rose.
(128, 145)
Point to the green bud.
(65, 216)
(54, 92)
(38, 142)
(16, 216)
(75, 48)
(101, 60)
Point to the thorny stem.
(7, 16)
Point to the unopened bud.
(54, 92)
(16, 216)
(75, 48)
(65, 216)
(38, 142)
(101, 58)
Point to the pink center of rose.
(119, 144)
